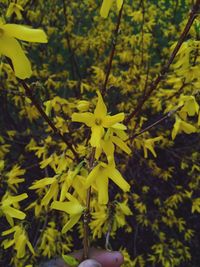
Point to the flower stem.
(86, 215)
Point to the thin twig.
(155, 123)
(46, 118)
(86, 215)
(165, 69)
(29, 94)
(114, 42)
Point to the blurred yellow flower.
(20, 241)
(182, 126)
(10, 208)
(16, 9)
(11, 48)
(148, 144)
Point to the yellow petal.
(14, 213)
(108, 148)
(73, 220)
(25, 33)
(102, 187)
(117, 141)
(30, 247)
(68, 207)
(52, 193)
(92, 175)
(145, 152)
(149, 145)
(100, 110)
(14, 199)
(98, 152)
(97, 134)
(7, 243)
(10, 220)
(119, 4)
(187, 127)
(176, 127)
(86, 117)
(20, 246)
(9, 231)
(43, 182)
(117, 178)
(12, 49)
(105, 8)
(109, 121)
(119, 126)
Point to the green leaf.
(70, 260)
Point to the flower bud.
(83, 105)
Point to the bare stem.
(114, 42)
(155, 123)
(165, 69)
(86, 215)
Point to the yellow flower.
(72, 207)
(106, 6)
(190, 107)
(12, 212)
(20, 241)
(98, 120)
(16, 9)
(14, 177)
(11, 48)
(182, 126)
(99, 218)
(98, 178)
(149, 145)
(109, 140)
(51, 192)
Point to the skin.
(97, 258)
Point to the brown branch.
(165, 69)
(155, 123)
(114, 42)
(46, 118)
(86, 215)
(29, 94)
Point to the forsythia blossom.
(10, 208)
(20, 241)
(72, 207)
(98, 178)
(98, 121)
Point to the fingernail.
(90, 263)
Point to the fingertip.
(118, 258)
(108, 258)
(90, 263)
